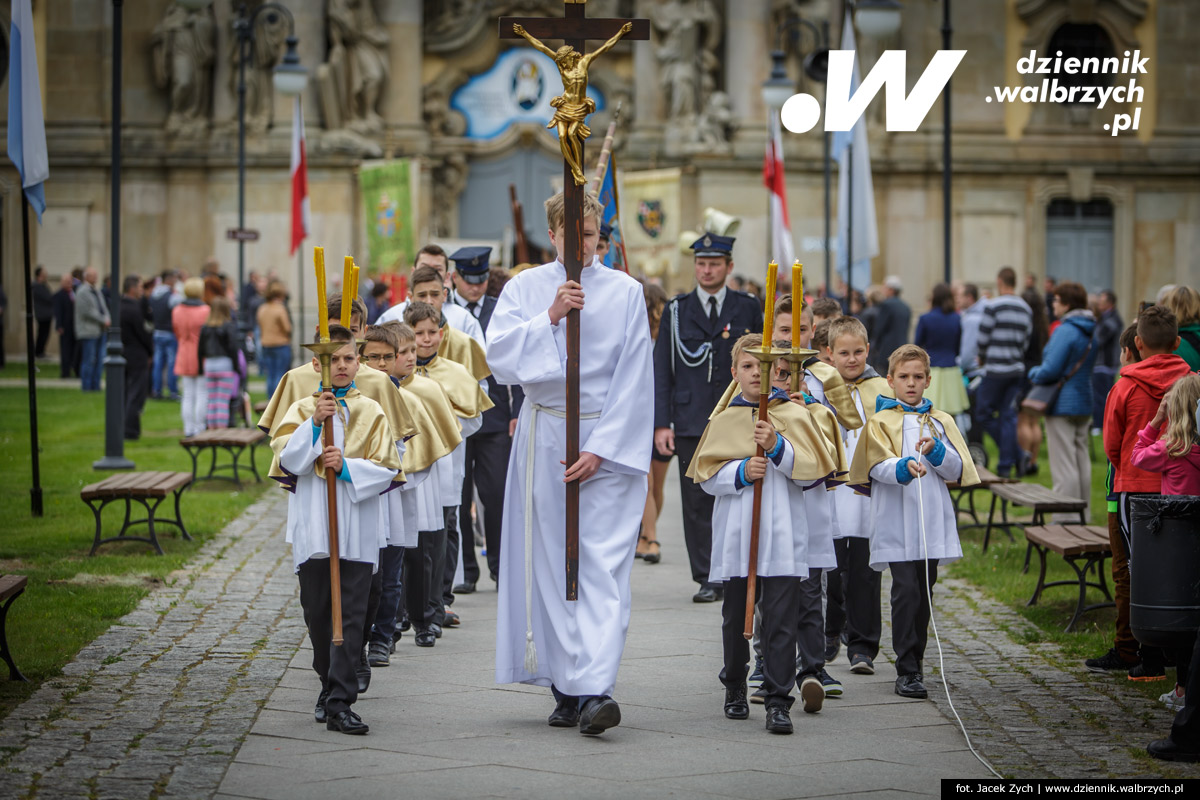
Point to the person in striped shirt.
(1003, 335)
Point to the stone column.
(401, 106)
(647, 92)
(748, 46)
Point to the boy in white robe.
(854, 589)
(915, 527)
(365, 461)
(573, 647)
(725, 466)
(469, 399)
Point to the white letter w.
(844, 106)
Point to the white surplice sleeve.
(624, 427)
(367, 479)
(952, 466)
(470, 425)
(300, 454)
(885, 472)
(725, 481)
(521, 349)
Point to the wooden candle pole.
(766, 359)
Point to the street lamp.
(778, 88)
(289, 78)
(877, 17)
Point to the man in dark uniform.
(486, 450)
(139, 349)
(692, 358)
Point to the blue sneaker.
(756, 677)
(832, 686)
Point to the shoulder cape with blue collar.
(729, 436)
(885, 439)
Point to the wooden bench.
(233, 441)
(11, 586)
(147, 488)
(966, 494)
(1038, 498)
(1086, 544)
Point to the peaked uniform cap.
(710, 244)
(471, 263)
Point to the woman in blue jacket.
(1068, 419)
(939, 332)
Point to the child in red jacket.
(1132, 403)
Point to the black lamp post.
(289, 78)
(114, 360)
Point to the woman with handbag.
(1062, 386)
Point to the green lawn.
(71, 598)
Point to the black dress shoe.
(736, 706)
(436, 630)
(565, 714)
(779, 720)
(379, 654)
(911, 686)
(347, 722)
(465, 588)
(707, 594)
(1168, 750)
(405, 624)
(319, 711)
(425, 638)
(599, 714)
(363, 673)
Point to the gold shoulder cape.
(440, 429)
(303, 381)
(367, 435)
(837, 393)
(467, 396)
(730, 436)
(462, 348)
(869, 389)
(885, 439)
(827, 422)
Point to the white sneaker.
(813, 694)
(1173, 699)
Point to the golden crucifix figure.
(572, 107)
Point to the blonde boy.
(914, 521)
(853, 613)
(726, 467)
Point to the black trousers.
(44, 326)
(911, 585)
(697, 512)
(68, 356)
(373, 602)
(445, 596)
(335, 664)
(1186, 728)
(487, 471)
(777, 600)
(853, 595)
(810, 626)
(137, 388)
(422, 593)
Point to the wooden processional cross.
(570, 119)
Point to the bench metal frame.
(1092, 560)
(14, 674)
(150, 519)
(235, 450)
(1039, 513)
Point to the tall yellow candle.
(347, 273)
(322, 315)
(769, 314)
(354, 284)
(797, 301)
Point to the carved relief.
(183, 47)
(689, 33)
(358, 59)
(270, 41)
(449, 181)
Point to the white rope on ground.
(933, 621)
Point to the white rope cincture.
(531, 661)
(932, 620)
(690, 358)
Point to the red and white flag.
(782, 251)
(301, 214)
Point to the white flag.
(26, 126)
(847, 147)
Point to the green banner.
(388, 190)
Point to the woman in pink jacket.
(1177, 454)
(187, 319)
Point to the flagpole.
(850, 223)
(35, 492)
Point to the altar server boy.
(726, 467)
(363, 456)
(914, 526)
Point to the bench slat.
(1069, 540)
(11, 584)
(137, 484)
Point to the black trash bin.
(1164, 569)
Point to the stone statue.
(716, 122)
(358, 57)
(183, 47)
(573, 105)
(689, 34)
(270, 40)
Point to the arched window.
(1091, 45)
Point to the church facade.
(1040, 185)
